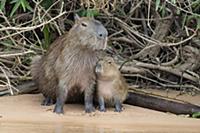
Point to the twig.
(173, 61)
(23, 29)
(178, 43)
(188, 12)
(8, 80)
(16, 54)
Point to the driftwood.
(160, 104)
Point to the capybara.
(112, 88)
(67, 70)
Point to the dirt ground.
(24, 114)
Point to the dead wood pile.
(155, 43)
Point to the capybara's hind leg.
(47, 101)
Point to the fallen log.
(161, 104)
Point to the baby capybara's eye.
(83, 24)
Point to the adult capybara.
(66, 71)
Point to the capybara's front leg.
(61, 98)
(118, 106)
(101, 104)
(88, 98)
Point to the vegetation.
(156, 43)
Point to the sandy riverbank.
(24, 114)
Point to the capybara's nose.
(98, 68)
(103, 35)
(102, 32)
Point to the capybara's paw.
(101, 109)
(89, 109)
(118, 109)
(58, 110)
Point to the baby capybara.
(111, 86)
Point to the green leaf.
(14, 1)
(47, 36)
(16, 6)
(163, 10)
(196, 115)
(82, 13)
(92, 13)
(23, 3)
(89, 13)
(47, 3)
(7, 43)
(29, 7)
(2, 4)
(26, 5)
(157, 4)
(173, 1)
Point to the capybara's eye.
(84, 24)
(109, 62)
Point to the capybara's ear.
(76, 17)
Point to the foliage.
(89, 13)
(2, 4)
(20, 3)
(28, 27)
(16, 5)
(47, 36)
(186, 16)
(196, 115)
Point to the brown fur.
(68, 66)
(110, 83)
